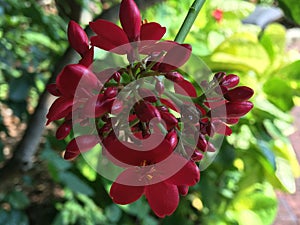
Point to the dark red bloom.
(160, 183)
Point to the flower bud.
(219, 76)
(159, 87)
(230, 81)
(78, 38)
(145, 111)
(110, 92)
(64, 130)
(239, 94)
(174, 76)
(117, 77)
(169, 119)
(202, 143)
(80, 144)
(197, 156)
(147, 95)
(233, 110)
(130, 19)
(183, 189)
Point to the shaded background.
(38, 187)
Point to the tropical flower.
(110, 36)
(161, 184)
(158, 139)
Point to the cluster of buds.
(149, 119)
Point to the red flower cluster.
(157, 136)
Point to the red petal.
(77, 38)
(183, 189)
(135, 154)
(109, 36)
(130, 19)
(74, 74)
(170, 104)
(52, 89)
(176, 57)
(185, 87)
(60, 108)
(125, 194)
(152, 31)
(88, 58)
(163, 198)
(80, 144)
(189, 174)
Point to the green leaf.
(257, 203)
(241, 52)
(273, 39)
(279, 92)
(291, 9)
(32, 37)
(75, 184)
(18, 199)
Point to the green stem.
(189, 20)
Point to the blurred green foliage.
(237, 188)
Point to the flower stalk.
(189, 20)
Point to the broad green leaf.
(74, 183)
(273, 40)
(264, 105)
(291, 71)
(241, 52)
(291, 9)
(284, 150)
(279, 92)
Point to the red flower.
(110, 36)
(218, 15)
(160, 183)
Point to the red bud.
(147, 95)
(230, 81)
(233, 109)
(239, 94)
(159, 87)
(80, 144)
(145, 111)
(78, 38)
(174, 76)
(130, 19)
(64, 130)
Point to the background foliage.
(238, 188)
